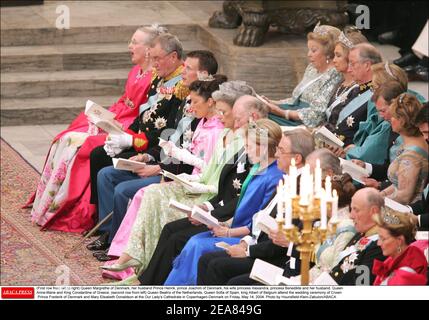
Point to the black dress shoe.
(99, 244)
(389, 37)
(102, 256)
(406, 60)
(411, 68)
(419, 73)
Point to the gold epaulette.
(154, 74)
(181, 91)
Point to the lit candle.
(303, 189)
(323, 211)
(310, 187)
(334, 206)
(318, 178)
(328, 188)
(293, 174)
(288, 217)
(280, 210)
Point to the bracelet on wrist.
(286, 113)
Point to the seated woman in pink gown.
(64, 184)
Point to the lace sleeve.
(408, 172)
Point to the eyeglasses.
(382, 240)
(134, 42)
(157, 59)
(353, 64)
(284, 153)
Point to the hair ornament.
(204, 77)
(344, 40)
(321, 30)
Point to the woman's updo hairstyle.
(327, 36)
(205, 88)
(397, 223)
(343, 183)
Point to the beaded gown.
(310, 97)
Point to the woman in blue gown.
(262, 138)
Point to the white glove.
(200, 188)
(187, 157)
(122, 141)
(167, 146)
(111, 151)
(190, 177)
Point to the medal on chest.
(165, 92)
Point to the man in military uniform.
(357, 258)
(158, 113)
(116, 187)
(361, 59)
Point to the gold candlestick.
(309, 236)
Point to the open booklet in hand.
(179, 206)
(176, 178)
(355, 171)
(328, 137)
(266, 273)
(102, 118)
(266, 223)
(204, 217)
(126, 164)
(324, 279)
(222, 245)
(392, 204)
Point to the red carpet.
(28, 255)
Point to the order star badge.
(186, 144)
(160, 123)
(353, 257)
(350, 121)
(236, 183)
(188, 134)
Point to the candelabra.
(307, 207)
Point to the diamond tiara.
(389, 217)
(322, 30)
(203, 77)
(346, 41)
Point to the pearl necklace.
(345, 89)
(141, 74)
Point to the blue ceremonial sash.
(330, 241)
(183, 125)
(152, 100)
(355, 104)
